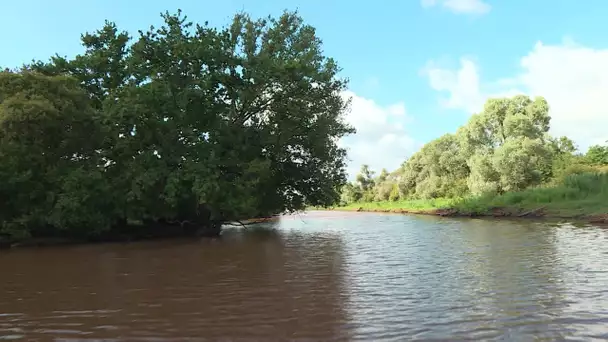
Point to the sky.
(417, 68)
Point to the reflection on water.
(246, 285)
(319, 276)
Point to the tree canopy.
(505, 147)
(182, 123)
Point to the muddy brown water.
(322, 276)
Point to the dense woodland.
(506, 147)
(184, 124)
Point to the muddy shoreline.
(498, 213)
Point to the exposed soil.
(496, 212)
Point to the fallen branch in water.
(246, 224)
(181, 223)
(530, 212)
(240, 224)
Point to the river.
(319, 276)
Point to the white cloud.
(460, 6)
(397, 109)
(462, 85)
(573, 79)
(381, 140)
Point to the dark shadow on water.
(256, 283)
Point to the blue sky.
(418, 68)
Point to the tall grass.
(413, 205)
(582, 192)
(575, 194)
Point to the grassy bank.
(579, 196)
(401, 206)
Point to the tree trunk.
(212, 229)
(207, 227)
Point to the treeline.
(184, 124)
(504, 148)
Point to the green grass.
(584, 194)
(413, 205)
(575, 195)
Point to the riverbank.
(132, 232)
(494, 212)
(127, 233)
(580, 197)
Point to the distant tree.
(507, 144)
(562, 145)
(439, 169)
(395, 194)
(597, 154)
(351, 194)
(382, 176)
(365, 178)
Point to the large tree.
(439, 169)
(508, 145)
(50, 165)
(504, 147)
(209, 125)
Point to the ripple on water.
(319, 276)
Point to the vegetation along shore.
(501, 163)
(183, 128)
(174, 131)
(571, 201)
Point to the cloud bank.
(381, 139)
(573, 78)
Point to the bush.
(394, 195)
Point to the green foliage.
(49, 142)
(365, 178)
(394, 195)
(184, 122)
(577, 194)
(502, 150)
(519, 163)
(435, 170)
(350, 194)
(403, 205)
(575, 167)
(507, 145)
(597, 155)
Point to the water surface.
(322, 276)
